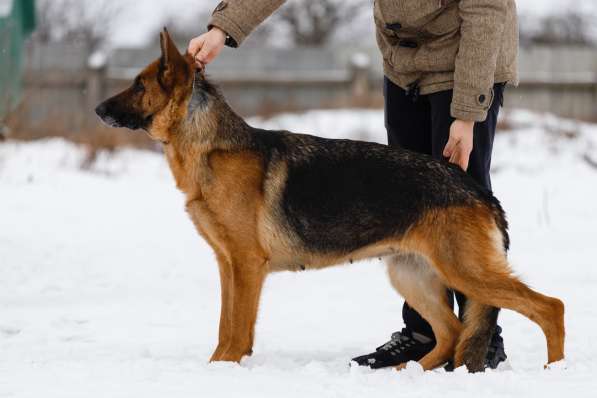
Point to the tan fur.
(228, 222)
(421, 287)
(460, 244)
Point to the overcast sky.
(139, 19)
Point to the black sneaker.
(495, 352)
(404, 346)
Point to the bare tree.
(184, 30)
(75, 21)
(313, 23)
(300, 22)
(571, 28)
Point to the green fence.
(17, 21)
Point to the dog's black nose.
(101, 109)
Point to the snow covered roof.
(5, 7)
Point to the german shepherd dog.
(270, 201)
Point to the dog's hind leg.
(500, 289)
(480, 321)
(466, 249)
(418, 283)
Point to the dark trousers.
(422, 124)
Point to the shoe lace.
(399, 341)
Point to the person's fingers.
(450, 147)
(207, 47)
(204, 55)
(464, 163)
(196, 44)
(466, 155)
(462, 158)
(460, 145)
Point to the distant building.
(17, 21)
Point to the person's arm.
(481, 39)
(239, 18)
(232, 21)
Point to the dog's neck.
(199, 97)
(211, 125)
(210, 122)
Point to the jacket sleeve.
(238, 18)
(481, 39)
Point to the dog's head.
(160, 96)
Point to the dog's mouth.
(129, 121)
(110, 121)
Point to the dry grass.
(94, 140)
(95, 137)
(91, 133)
(375, 100)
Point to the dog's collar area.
(198, 96)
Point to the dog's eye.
(138, 86)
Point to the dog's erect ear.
(169, 50)
(172, 62)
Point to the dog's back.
(340, 195)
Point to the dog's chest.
(224, 193)
(189, 169)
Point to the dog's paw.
(232, 355)
(218, 353)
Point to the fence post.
(95, 83)
(593, 117)
(359, 66)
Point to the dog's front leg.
(248, 278)
(227, 294)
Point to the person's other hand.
(207, 47)
(459, 146)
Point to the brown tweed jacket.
(464, 45)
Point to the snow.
(97, 60)
(5, 8)
(107, 291)
(360, 60)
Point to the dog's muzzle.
(102, 112)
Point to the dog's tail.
(480, 322)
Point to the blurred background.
(105, 287)
(59, 58)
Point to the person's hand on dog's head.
(207, 47)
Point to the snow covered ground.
(107, 291)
